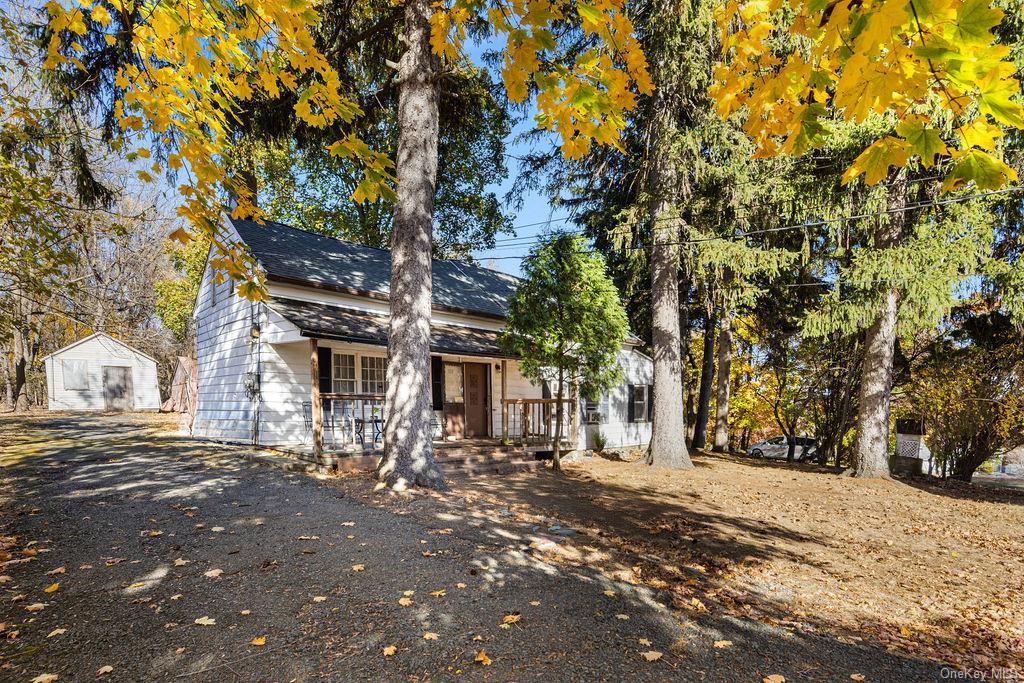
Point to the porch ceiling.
(325, 321)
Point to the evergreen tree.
(566, 323)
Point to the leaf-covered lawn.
(923, 568)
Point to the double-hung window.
(343, 373)
(374, 371)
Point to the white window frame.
(645, 396)
(338, 377)
(374, 364)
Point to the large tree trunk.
(724, 369)
(668, 443)
(871, 453)
(408, 451)
(707, 378)
(21, 402)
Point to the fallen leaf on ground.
(176, 597)
(475, 638)
(348, 523)
(217, 528)
(104, 670)
(58, 570)
(245, 612)
(35, 607)
(610, 594)
(181, 562)
(258, 641)
(319, 598)
(723, 643)
(511, 619)
(460, 585)
(52, 588)
(309, 538)
(482, 658)
(205, 621)
(358, 567)
(390, 651)
(774, 678)
(213, 573)
(651, 655)
(154, 533)
(56, 632)
(698, 605)
(45, 678)
(408, 593)
(856, 677)
(404, 602)
(644, 641)
(437, 594)
(622, 617)
(905, 632)
(429, 636)
(6, 579)
(138, 584)
(535, 603)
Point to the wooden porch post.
(504, 397)
(318, 410)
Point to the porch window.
(374, 374)
(343, 373)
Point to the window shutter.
(631, 407)
(323, 357)
(437, 382)
(650, 403)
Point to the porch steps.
(470, 461)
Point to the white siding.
(95, 353)
(225, 354)
(614, 405)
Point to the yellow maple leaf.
(258, 641)
(482, 658)
(390, 651)
(52, 588)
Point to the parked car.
(778, 448)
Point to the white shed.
(99, 372)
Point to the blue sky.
(536, 208)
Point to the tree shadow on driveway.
(141, 523)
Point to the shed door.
(117, 388)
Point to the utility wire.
(805, 225)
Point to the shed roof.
(93, 336)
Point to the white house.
(99, 372)
(326, 319)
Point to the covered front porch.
(478, 396)
(471, 406)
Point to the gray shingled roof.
(345, 324)
(291, 254)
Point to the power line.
(513, 242)
(807, 224)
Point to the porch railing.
(531, 421)
(352, 419)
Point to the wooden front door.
(476, 399)
(117, 388)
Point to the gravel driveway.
(146, 533)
